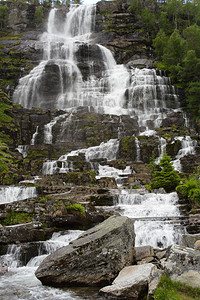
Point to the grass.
(173, 290)
(14, 218)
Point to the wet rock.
(107, 182)
(131, 283)
(91, 259)
(3, 270)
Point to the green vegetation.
(174, 29)
(76, 207)
(166, 177)
(172, 290)
(3, 16)
(14, 218)
(190, 189)
(39, 16)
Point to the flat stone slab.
(94, 259)
(131, 283)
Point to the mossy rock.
(127, 149)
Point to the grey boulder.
(94, 259)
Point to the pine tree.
(166, 177)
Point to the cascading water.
(14, 193)
(21, 283)
(154, 216)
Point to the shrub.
(77, 207)
(190, 189)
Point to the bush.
(77, 207)
(190, 189)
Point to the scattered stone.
(161, 254)
(94, 259)
(131, 283)
(197, 245)
(143, 252)
(3, 270)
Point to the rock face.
(131, 283)
(94, 259)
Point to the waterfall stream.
(109, 89)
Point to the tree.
(39, 16)
(192, 36)
(174, 50)
(160, 43)
(193, 97)
(166, 177)
(3, 16)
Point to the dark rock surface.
(94, 259)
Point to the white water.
(21, 283)
(34, 136)
(106, 151)
(23, 149)
(14, 193)
(140, 93)
(187, 147)
(151, 213)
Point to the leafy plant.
(190, 189)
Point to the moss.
(14, 218)
(76, 207)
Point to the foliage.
(39, 16)
(3, 16)
(190, 189)
(172, 290)
(14, 218)
(77, 207)
(166, 177)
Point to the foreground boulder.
(131, 283)
(94, 259)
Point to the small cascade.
(161, 149)
(156, 216)
(138, 156)
(187, 147)
(106, 151)
(15, 193)
(48, 136)
(20, 281)
(23, 149)
(12, 258)
(34, 136)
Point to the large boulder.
(131, 283)
(94, 259)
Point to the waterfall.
(156, 216)
(106, 151)
(187, 147)
(15, 193)
(20, 282)
(34, 136)
(112, 89)
(23, 149)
